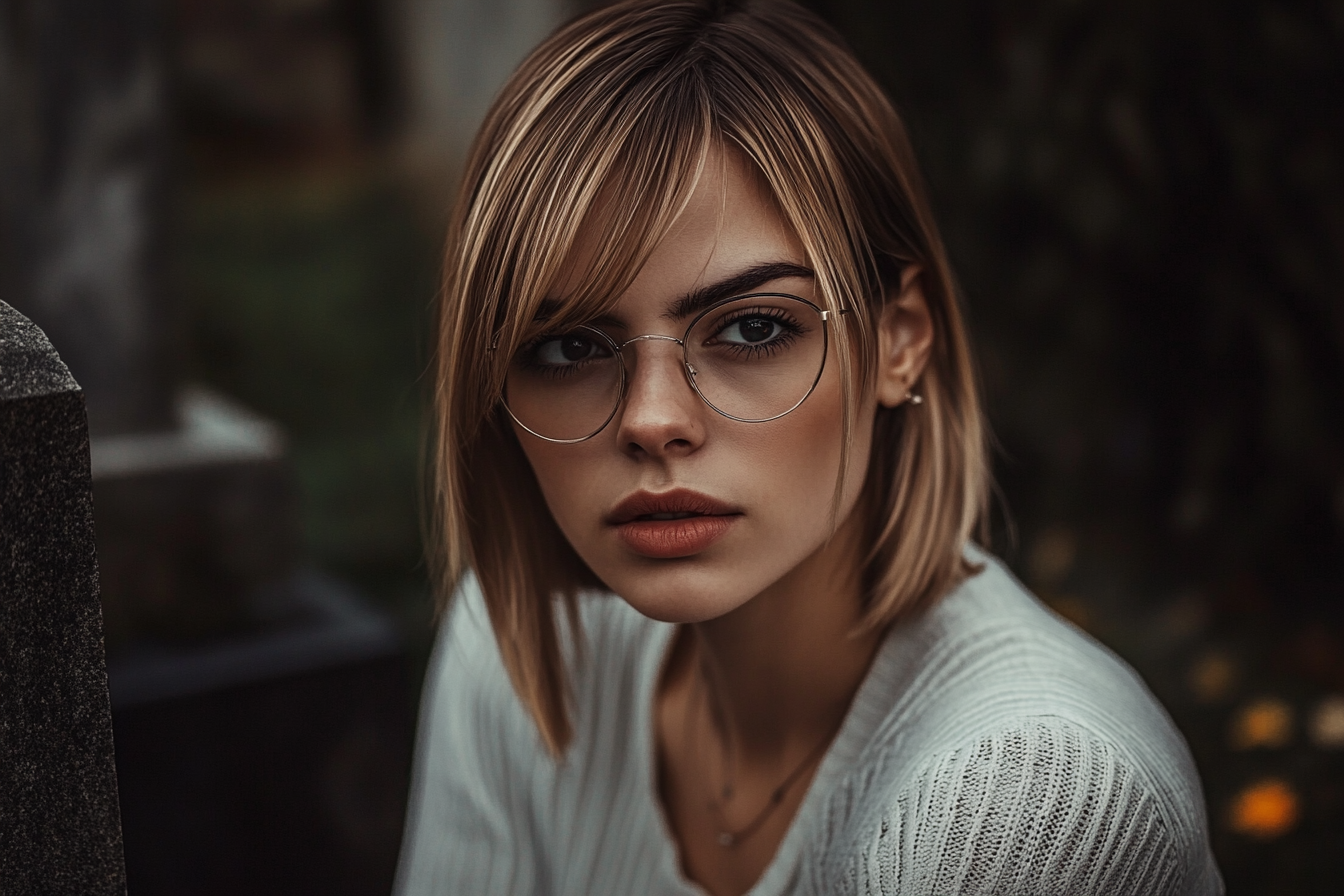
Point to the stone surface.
(60, 830)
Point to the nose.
(661, 415)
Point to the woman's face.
(759, 495)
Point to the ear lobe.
(904, 338)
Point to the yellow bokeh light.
(1264, 810)
(1262, 723)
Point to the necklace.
(730, 838)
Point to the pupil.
(756, 329)
(575, 348)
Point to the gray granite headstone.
(60, 828)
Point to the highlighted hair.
(626, 104)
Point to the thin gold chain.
(729, 838)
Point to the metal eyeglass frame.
(689, 369)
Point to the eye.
(568, 349)
(750, 331)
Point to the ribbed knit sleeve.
(1040, 807)
(469, 827)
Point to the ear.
(904, 338)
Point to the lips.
(679, 523)
(679, 502)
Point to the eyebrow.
(701, 298)
(744, 282)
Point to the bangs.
(579, 203)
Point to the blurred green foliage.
(308, 302)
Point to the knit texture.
(991, 749)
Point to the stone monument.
(60, 829)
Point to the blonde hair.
(626, 104)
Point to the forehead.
(729, 222)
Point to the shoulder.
(991, 654)
(488, 801)
(476, 760)
(1016, 754)
(1038, 805)
(468, 689)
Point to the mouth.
(679, 523)
(678, 504)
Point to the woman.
(709, 460)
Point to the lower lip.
(667, 539)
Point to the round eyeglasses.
(751, 358)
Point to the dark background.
(1145, 203)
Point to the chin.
(676, 611)
(676, 600)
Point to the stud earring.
(913, 398)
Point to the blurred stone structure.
(195, 502)
(271, 762)
(456, 55)
(191, 521)
(60, 829)
(277, 80)
(82, 180)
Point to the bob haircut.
(605, 129)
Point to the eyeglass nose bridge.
(680, 342)
(685, 361)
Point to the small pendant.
(726, 839)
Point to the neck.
(781, 670)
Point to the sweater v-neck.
(870, 708)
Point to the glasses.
(751, 358)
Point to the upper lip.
(678, 500)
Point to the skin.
(763, 666)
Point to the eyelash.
(553, 371)
(791, 328)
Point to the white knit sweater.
(992, 749)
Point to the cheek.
(567, 476)
(796, 459)
(556, 474)
(816, 449)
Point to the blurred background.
(227, 215)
